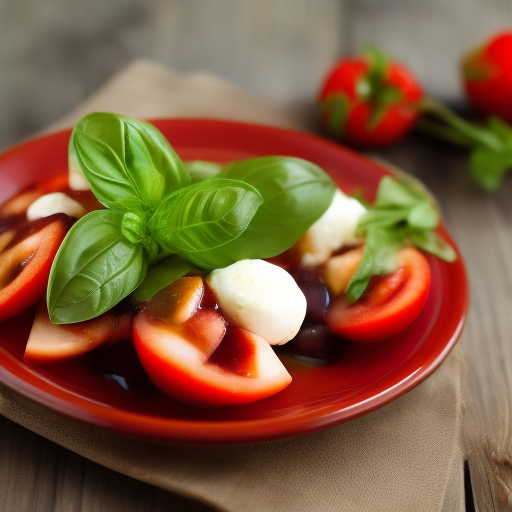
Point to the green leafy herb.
(295, 194)
(491, 153)
(403, 212)
(161, 275)
(197, 221)
(169, 217)
(202, 170)
(94, 269)
(123, 158)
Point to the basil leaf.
(432, 242)
(130, 204)
(198, 220)
(94, 269)
(295, 194)
(423, 216)
(123, 158)
(489, 166)
(385, 217)
(501, 129)
(161, 275)
(404, 212)
(202, 170)
(379, 257)
(393, 192)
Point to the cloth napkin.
(405, 456)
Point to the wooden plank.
(481, 224)
(37, 475)
(430, 37)
(278, 49)
(54, 53)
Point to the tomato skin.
(48, 342)
(15, 208)
(398, 118)
(389, 307)
(487, 73)
(191, 369)
(34, 250)
(14, 211)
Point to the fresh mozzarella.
(56, 202)
(261, 298)
(333, 230)
(77, 181)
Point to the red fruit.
(202, 360)
(26, 256)
(391, 304)
(487, 74)
(15, 208)
(369, 101)
(49, 342)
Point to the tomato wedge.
(392, 303)
(26, 256)
(48, 342)
(204, 361)
(15, 208)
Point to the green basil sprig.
(403, 213)
(293, 193)
(123, 158)
(94, 269)
(163, 218)
(196, 221)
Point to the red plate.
(366, 376)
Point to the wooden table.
(53, 54)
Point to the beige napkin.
(403, 457)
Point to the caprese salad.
(207, 267)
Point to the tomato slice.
(15, 208)
(48, 342)
(26, 256)
(392, 303)
(204, 361)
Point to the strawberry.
(487, 74)
(369, 101)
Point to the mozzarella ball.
(76, 178)
(77, 181)
(261, 298)
(333, 230)
(56, 202)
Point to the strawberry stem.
(491, 144)
(442, 131)
(472, 132)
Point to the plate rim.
(127, 423)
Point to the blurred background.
(54, 53)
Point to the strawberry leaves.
(491, 144)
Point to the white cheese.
(333, 230)
(56, 202)
(261, 298)
(77, 181)
(76, 178)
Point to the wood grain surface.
(55, 53)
